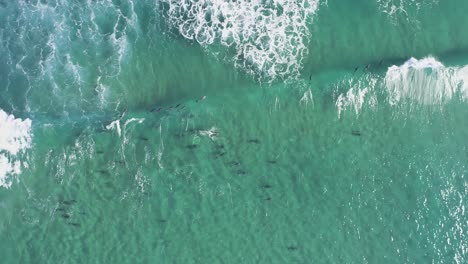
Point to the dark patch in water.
(69, 202)
(240, 172)
(74, 224)
(219, 153)
(65, 216)
(266, 186)
(191, 146)
(233, 163)
(194, 130)
(156, 109)
(271, 161)
(253, 141)
(356, 133)
(268, 199)
(103, 171)
(292, 248)
(143, 138)
(161, 220)
(99, 152)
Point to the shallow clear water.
(333, 133)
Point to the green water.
(148, 147)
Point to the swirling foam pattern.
(267, 37)
(60, 55)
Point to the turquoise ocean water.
(209, 131)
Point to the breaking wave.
(423, 82)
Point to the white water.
(360, 94)
(425, 82)
(15, 137)
(268, 37)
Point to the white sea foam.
(267, 36)
(15, 137)
(426, 81)
(116, 124)
(417, 82)
(361, 93)
(212, 133)
(307, 98)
